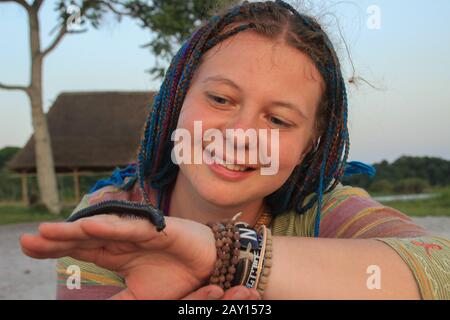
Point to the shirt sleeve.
(352, 214)
(95, 282)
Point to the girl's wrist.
(243, 255)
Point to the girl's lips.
(225, 173)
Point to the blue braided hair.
(321, 169)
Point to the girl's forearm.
(321, 268)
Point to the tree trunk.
(25, 194)
(46, 176)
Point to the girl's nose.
(241, 130)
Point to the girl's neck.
(187, 204)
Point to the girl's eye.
(279, 122)
(218, 100)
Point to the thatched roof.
(91, 131)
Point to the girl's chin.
(223, 197)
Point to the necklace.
(264, 218)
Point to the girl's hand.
(154, 265)
(212, 292)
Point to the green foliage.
(412, 185)
(7, 154)
(170, 21)
(382, 185)
(19, 214)
(435, 171)
(11, 188)
(436, 206)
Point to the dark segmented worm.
(123, 208)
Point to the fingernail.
(241, 295)
(215, 294)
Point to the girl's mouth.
(231, 172)
(235, 167)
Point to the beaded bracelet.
(267, 263)
(227, 238)
(243, 255)
(261, 263)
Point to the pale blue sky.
(409, 58)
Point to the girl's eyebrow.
(284, 104)
(224, 80)
(291, 106)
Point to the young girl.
(260, 66)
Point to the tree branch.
(23, 3)
(15, 87)
(37, 3)
(62, 32)
(114, 9)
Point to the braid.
(320, 170)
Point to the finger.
(241, 293)
(121, 229)
(63, 231)
(39, 247)
(72, 230)
(255, 295)
(210, 292)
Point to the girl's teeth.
(234, 167)
(231, 167)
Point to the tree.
(6, 154)
(381, 186)
(171, 20)
(412, 185)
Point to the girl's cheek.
(191, 112)
(289, 154)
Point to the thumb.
(209, 292)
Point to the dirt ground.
(26, 278)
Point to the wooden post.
(25, 196)
(76, 184)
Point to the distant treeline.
(406, 174)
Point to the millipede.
(123, 208)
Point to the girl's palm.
(155, 265)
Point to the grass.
(16, 213)
(437, 206)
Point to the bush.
(411, 185)
(381, 186)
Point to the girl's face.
(251, 82)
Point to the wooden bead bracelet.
(243, 255)
(227, 246)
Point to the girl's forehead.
(249, 54)
(263, 68)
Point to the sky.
(401, 47)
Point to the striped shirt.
(347, 213)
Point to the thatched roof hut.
(90, 132)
